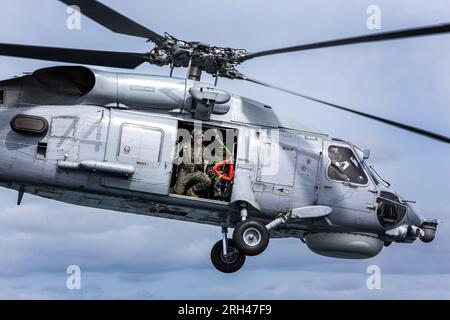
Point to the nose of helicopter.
(426, 229)
(413, 215)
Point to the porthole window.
(23, 123)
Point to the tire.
(233, 263)
(251, 237)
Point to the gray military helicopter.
(108, 140)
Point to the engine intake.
(72, 81)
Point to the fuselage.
(91, 115)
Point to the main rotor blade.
(419, 131)
(126, 60)
(113, 20)
(391, 35)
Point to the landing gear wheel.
(251, 237)
(230, 263)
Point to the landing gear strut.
(225, 256)
(251, 237)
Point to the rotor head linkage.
(213, 60)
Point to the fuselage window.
(23, 123)
(344, 166)
(390, 211)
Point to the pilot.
(191, 176)
(338, 165)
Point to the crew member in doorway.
(191, 176)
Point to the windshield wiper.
(378, 175)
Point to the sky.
(123, 256)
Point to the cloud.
(151, 258)
(127, 256)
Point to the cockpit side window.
(344, 166)
(390, 211)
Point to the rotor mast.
(194, 72)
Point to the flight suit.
(190, 170)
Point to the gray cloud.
(126, 256)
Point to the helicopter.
(117, 141)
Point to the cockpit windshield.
(375, 176)
(369, 168)
(344, 166)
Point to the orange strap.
(229, 177)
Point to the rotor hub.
(217, 61)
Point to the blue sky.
(127, 256)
